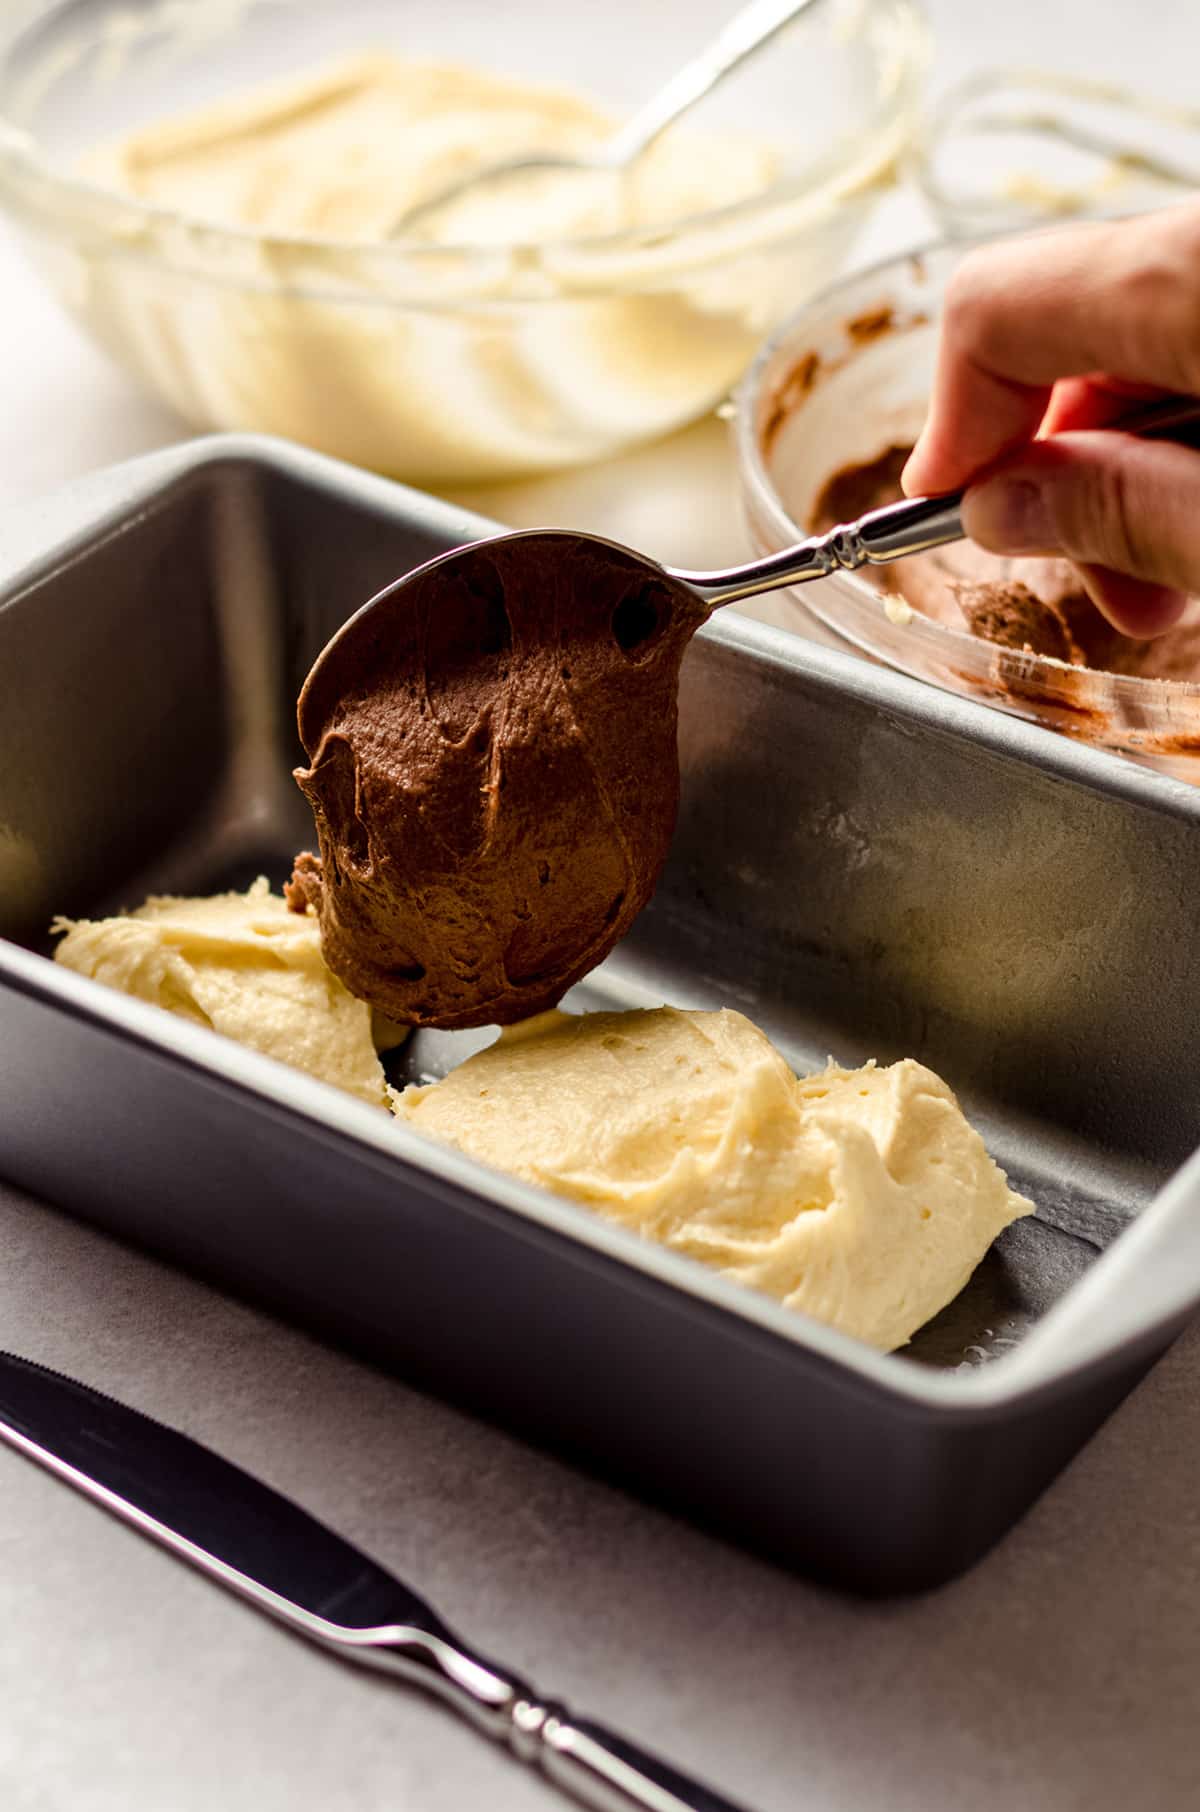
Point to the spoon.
(493, 763)
(748, 30)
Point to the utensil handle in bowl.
(748, 30)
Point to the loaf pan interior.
(857, 875)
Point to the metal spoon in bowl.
(493, 763)
(749, 30)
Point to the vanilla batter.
(861, 1197)
(490, 341)
(243, 965)
(344, 152)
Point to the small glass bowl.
(432, 361)
(848, 375)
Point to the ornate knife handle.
(595, 1764)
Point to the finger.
(1092, 402)
(1117, 297)
(1113, 504)
(1136, 607)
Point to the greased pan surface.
(863, 865)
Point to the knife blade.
(251, 1539)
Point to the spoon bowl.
(493, 773)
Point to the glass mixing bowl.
(845, 378)
(444, 361)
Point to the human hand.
(1055, 335)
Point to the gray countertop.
(1061, 1673)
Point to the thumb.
(1126, 511)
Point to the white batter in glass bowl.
(483, 354)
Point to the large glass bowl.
(848, 375)
(445, 362)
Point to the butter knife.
(256, 1542)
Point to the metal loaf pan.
(863, 865)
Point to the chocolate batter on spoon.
(493, 774)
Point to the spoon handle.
(912, 526)
(883, 535)
(748, 30)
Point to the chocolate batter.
(494, 777)
(1030, 602)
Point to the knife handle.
(609, 1772)
(595, 1764)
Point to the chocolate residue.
(795, 386)
(871, 324)
(850, 493)
(1032, 604)
(494, 776)
(799, 380)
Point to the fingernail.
(1009, 516)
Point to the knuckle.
(969, 293)
(1107, 521)
(1159, 295)
(1158, 304)
(1123, 518)
(1183, 224)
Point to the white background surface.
(1061, 1673)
